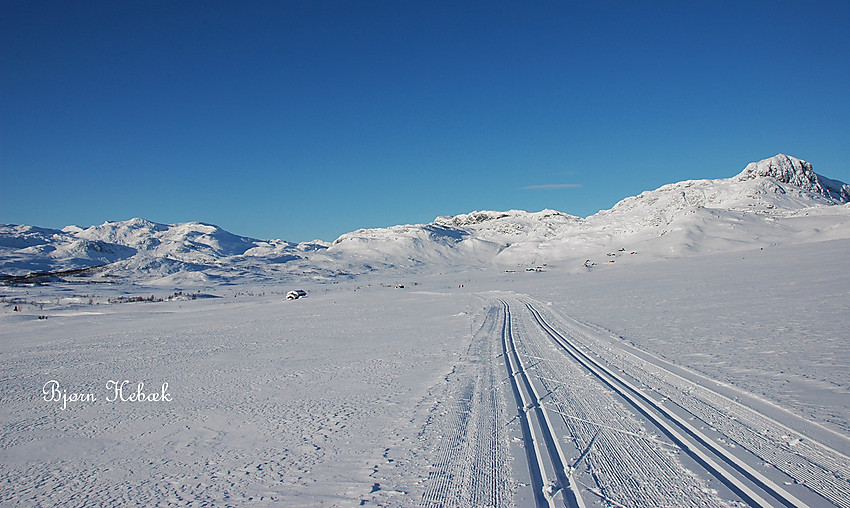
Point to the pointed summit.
(791, 170)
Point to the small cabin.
(294, 295)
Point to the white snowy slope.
(799, 173)
(776, 200)
(473, 239)
(25, 249)
(768, 202)
(194, 251)
(138, 246)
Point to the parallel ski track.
(471, 465)
(551, 477)
(699, 446)
(822, 469)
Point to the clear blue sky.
(308, 119)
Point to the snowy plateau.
(687, 347)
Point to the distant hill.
(774, 201)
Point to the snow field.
(361, 393)
(274, 402)
(771, 322)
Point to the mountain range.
(778, 200)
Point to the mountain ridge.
(678, 218)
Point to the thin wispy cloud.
(551, 186)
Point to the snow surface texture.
(687, 347)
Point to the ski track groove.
(822, 469)
(632, 394)
(830, 485)
(471, 465)
(627, 465)
(553, 484)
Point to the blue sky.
(308, 119)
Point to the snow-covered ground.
(271, 400)
(364, 392)
(688, 347)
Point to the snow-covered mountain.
(768, 202)
(470, 239)
(26, 249)
(798, 173)
(138, 245)
(776, 200)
